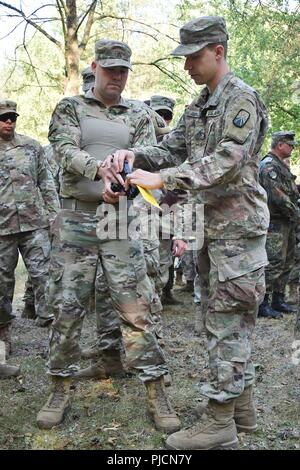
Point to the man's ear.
(219, 51)
(94, 66)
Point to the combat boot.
(244, 411)
(167, 298)
(189, 287)
(43, 322)
(279, 304)
(168, 380)
(178, 279)
(265, 311)
(215, 430)
(292, 293)
(199, 326)
(28, 311)
(57, 405)
(5, 336)
(90, 352)
(159, 407)
(108, 365)
(7, 371)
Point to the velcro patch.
(241, 118)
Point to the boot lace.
(164, 404)
(198, 426)
(57, 397)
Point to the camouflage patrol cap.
(8, 106)
(111, 53)
(287, 137)
(200, 32)
(158, 102)
(88, 78)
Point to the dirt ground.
(112, 414)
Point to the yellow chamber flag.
(148, 196)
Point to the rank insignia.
(241, 118)
(273, 174)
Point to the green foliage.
(263, 51)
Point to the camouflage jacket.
(216, 144)
(281, 188)
(54, 168)
(28, 198)
(83, 132)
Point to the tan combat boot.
(7, 371)
(160, 408)
(57, 405)
(215, 430)
(108, 365)
(90, 353)
(178, 279)
(292, 293)
(188, 287)
(199, 326)
(28, 311)
(244, 411)
(5, 336)
(44, 322)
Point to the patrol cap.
(8, 106)
(88, 78)
(198, 33)
(87, 73)
(111, 53)
(158, 102)
(287, 137)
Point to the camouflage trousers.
(109, 335)
(79, 260)
(280, 246)
(28, 296)
(165, 264)
(187, 265)
(231, 274)
(34, 247)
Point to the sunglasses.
(8, 117)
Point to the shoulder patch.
(241, 118)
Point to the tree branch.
(32, 23)
(87, 30)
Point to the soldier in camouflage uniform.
(283, 195)
(88, 79)
(83, 130)
(28, 205)
(28, 297)
(218, 140)
(164, 108)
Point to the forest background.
(45, 45)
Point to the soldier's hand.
(145, 179)
(178, 248)
(116, 161)
(109, 176)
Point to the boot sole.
(232, 445)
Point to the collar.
(89, 95)
(207, 99)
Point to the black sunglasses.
(8, 117)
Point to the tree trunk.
(72, 50)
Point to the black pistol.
(132, 191)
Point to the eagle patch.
(241, 118)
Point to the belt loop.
(74, 204)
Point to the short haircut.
(224, 44)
